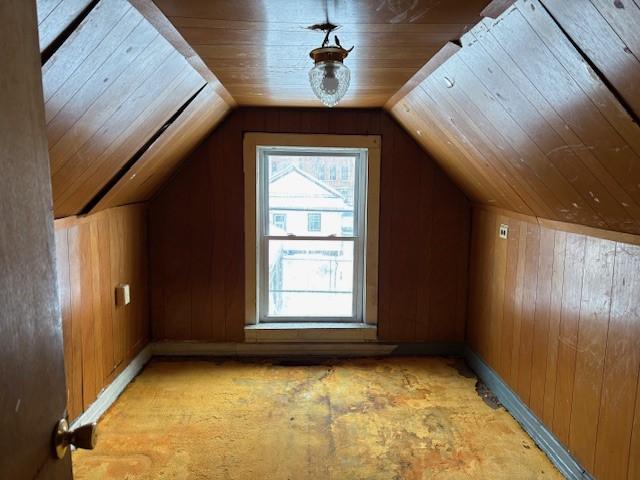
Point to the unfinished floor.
(391, 418)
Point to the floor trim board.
(440, 349)
(111, 393)
(540, 434)
(271, 349)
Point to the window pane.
(310, 278)
(307, 190)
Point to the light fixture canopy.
(329, 76)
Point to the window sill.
(310, 332)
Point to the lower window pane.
(310, 278)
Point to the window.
(333, 172)
(309, 269)
(320, 171)
(279, 220)
(314, 253)
(344, 172)
(347, 224)
(314, 222)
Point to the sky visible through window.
(311, 276)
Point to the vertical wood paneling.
(555, 312)
(94, 254)
(592, 339)
(541, 321)
(196, 232)
(519, 292)
(509, 303)
(80, 268)
(109, 347)
(621, 367)
(569, 317)
(527, 325)
(575, 350)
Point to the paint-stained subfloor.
(389, 418)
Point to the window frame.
(343, 177)
(367, 287)
(284, 217)
(319, 217)
(358, 238)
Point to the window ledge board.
(310, 332)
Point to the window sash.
(314, 219)
(265, 290)
(359, 227)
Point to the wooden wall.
(557, 315)
(196, 232)
(538, 111)
(95, 254)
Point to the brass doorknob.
(85, 437)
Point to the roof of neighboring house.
(294, 189)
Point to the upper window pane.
(306, 196)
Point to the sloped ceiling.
(533, 108)
(111, 88)
(538, 112)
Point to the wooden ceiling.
(54, 16)
(260, 50)
(534, 109)
(538, 112)
(109, 89)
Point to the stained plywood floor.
(391, 418)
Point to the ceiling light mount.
(329, 76)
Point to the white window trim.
(250, 152)
(359, 246)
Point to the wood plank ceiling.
(260, 50)
(109, 89)
(535, 111)
(538, 112)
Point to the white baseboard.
(270, 349)
(540, 434)
(114, 389)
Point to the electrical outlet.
(504, 231)
(123, 295)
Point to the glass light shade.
(329, 81)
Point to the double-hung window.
(313, 268)
(314, 254)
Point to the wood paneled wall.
(196, 232)
(95, 254)
(557, 315)
(524, 119)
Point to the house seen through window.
(312, 233)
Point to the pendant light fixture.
(329, 76)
